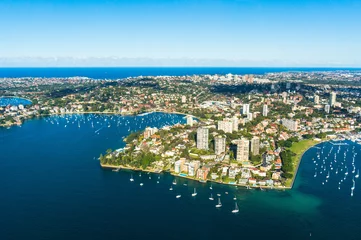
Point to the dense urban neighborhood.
(247, 130)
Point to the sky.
(241, 33)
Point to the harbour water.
(53, 188)
(13, 101)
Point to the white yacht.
(194, 193)
(219, 203)
(211, 197)
(236, 210)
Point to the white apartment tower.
(327, 108)
(202, 138)
(219, 145)
(316, 99)
(242, 149)
(245, 109)
(189, 120)
(332, 99)
(265, 110)
(226, 125)
(255, 145)
(235, 123)
(290, 124)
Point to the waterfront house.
(252, 181)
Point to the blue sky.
(186, 32)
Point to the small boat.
(219, 203)
(211, 187)
(235, 198)
(218, 194)
(358, 174)
(185, 184)
(157, 181)
(175, 182)
(226, 192)
(178, 196)
(194, 193)
(171, 188)
(141, 184)
(131, 178)
(236, 210)
(211, 197)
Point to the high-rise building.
(332, 100)
(245, 109)
(255, 145)
(290, 124)
(284, 97)
(149, 132)
(189, 120)
(219, 145)
(242, 149)
(265, 110)
(327, 108)
(249, 116)
(316, 99)
(226, 125)
(202, 138)
(288, 85)
(235, 123)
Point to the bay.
(52, 187)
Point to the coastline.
(299, 160)
(118, 168)
(110, 113)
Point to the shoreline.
(118, 168)
(300, 160)
(81, 113)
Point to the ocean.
(124, 72)
(52, 187)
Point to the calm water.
(114, 73)
(53, 188)
(4, 101)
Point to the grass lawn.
(299, 148)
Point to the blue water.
(123, 72)
(52, 187)
(13, 101)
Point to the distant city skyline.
(241, 33)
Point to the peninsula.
(246, 130)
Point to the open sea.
(52, 187)
(124, 72)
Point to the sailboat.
(358, 173)
(219, 203)
(353, 186)
(236, 210)
(131, 178)
(175, 182)
(211, 187)
(171, 188)
(211, 197)
(194, 193)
